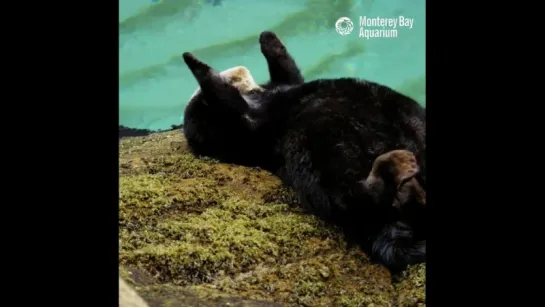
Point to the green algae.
(281, 195)
(196, 232)
(326, 279)
(412, 287)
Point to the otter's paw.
(400, 164)
(411, 190)
(271, 46)
(403, 167)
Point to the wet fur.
(321, 137)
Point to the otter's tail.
(396, 247)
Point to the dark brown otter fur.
(323, 138)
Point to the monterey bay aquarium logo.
(374, 27)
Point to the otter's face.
(238, 77)
(213, 123)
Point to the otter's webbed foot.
(399, 168)
(282, 66)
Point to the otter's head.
(213, 123)
(213, 120)
(238, 77)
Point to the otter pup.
(347, 146)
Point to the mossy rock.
(411, 290)
(195, 232)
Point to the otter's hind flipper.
(282, 66)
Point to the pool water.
(155, 84)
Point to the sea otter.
(353, 150)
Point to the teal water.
(155, 84)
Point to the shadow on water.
(318, 15)
(158, 15)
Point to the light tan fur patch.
(239, 77)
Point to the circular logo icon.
(344, 26)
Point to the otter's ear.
(216, 90)
(282, 67)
